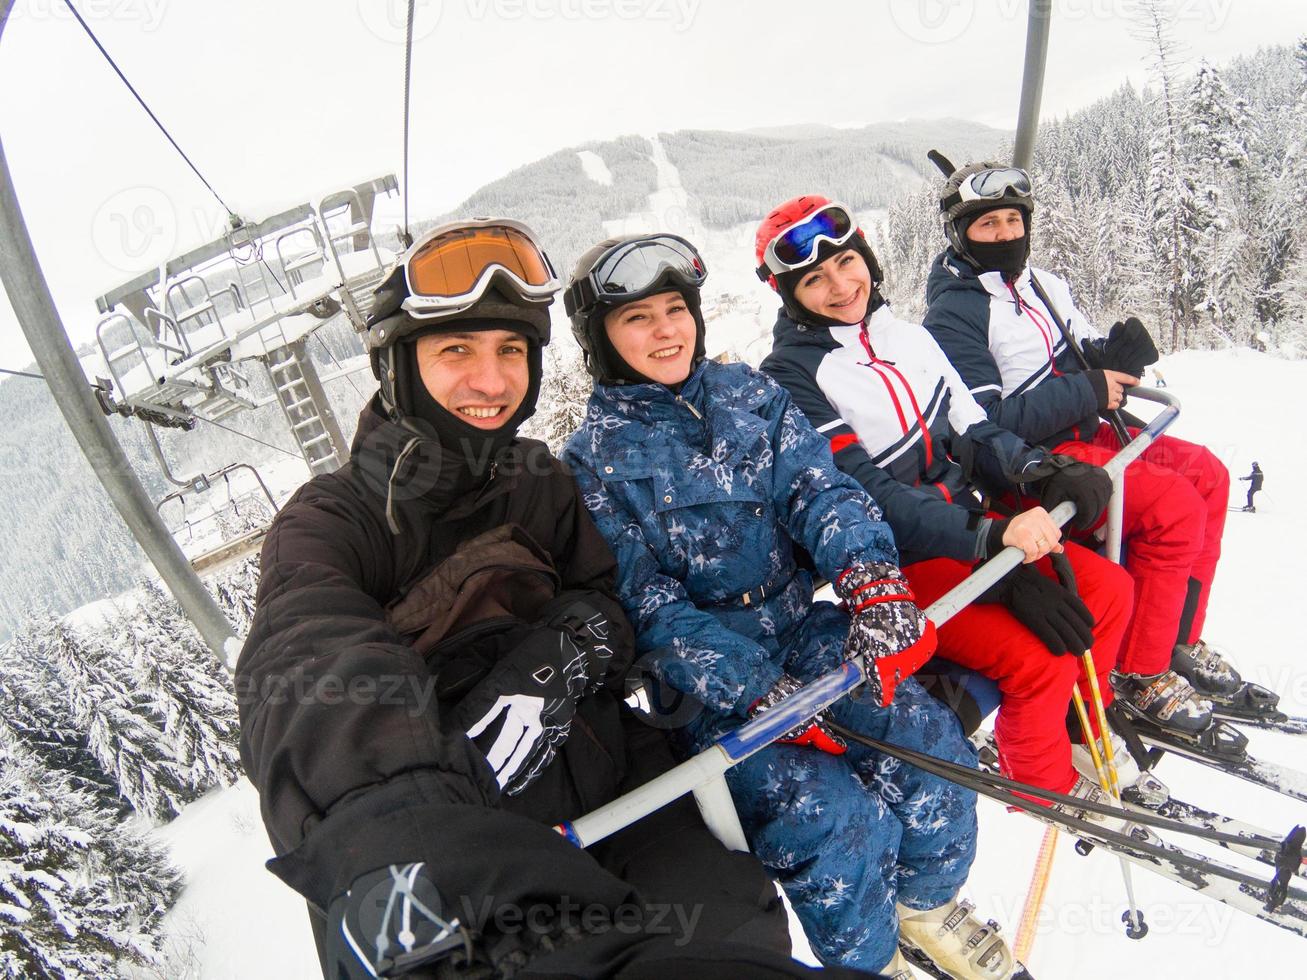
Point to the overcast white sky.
(278, 102)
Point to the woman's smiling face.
(655, 335)
(839, 288)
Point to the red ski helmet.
(834, 229)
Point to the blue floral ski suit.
(702, 496)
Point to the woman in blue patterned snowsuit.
(703, 477)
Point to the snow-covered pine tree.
(174, 673)
(913, 236)
(80, 893)
(563, 393)
(1215, 143)
(35, 708)
(122, 730)
(178, 677)
(1173, 200)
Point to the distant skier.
(1009, 331)
(1159, 378)
(1255, 478)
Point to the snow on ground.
(1237, 402)
(595, 168)
(242, 922)
(235, 920)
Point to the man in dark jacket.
(433, 676)
(1255, 479)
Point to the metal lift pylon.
(29, 294)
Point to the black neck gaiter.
(1008, 258)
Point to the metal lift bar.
(701, 774)
(1032, 81)
(30, 296)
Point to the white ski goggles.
(991, 185)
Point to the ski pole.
(1025, 940)
(1090, 742)
(1096, 696)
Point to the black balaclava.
(787, 281)
(1007, 258)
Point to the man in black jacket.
(434, 673)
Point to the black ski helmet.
(959, 214)
(603, 363)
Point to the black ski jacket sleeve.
(340, 724)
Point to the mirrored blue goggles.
(797, 245)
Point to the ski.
(1276, 722)
(1182, 811)
(1218, 883)
(1196, 816)
(1224, 751)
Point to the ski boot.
(899, 968)
(1087, 788)
(1213, 677)
(1205, 668)
(1138, 786)
(957, 942)
(1165, 700)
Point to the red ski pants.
(1176, 495)
(1036, 684)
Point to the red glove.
(815, 733)
(889, 635)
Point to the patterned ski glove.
(1062, 478)
(588, 629)
(815, 733)
(521, 712)
(889, 634)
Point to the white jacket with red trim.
(901, 421)
(1004, 341)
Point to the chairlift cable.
(23, 374)
(112, 64)
(408, 67)
(349, 376)
(235, 432)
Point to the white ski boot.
(958, 942)
(899, 968)
(1137, 786)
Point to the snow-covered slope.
(240, 921)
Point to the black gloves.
(1062, 622)
(522, 711)
(1128, 348)
(391, 922)
(1062, 478)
